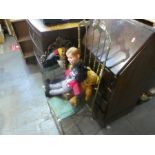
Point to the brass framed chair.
(94, 47)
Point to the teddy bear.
(86, 86)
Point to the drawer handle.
(109, 90)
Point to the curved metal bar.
(108, 38)
(97, 50)
(85, 24)
(101, 28)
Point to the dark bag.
(59, 21)
(54, 21)
(59, 43)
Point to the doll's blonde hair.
(73, 51)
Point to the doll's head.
(73, 55)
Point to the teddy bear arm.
(88, 93)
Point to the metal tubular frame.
(101, 28)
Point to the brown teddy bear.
(86, 86)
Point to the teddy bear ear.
(88, 68)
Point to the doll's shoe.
(47, 81)
(47, 87)
(47, 94)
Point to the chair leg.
(57, 122)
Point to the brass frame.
(101, 28)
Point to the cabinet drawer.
(36, 38)
(105, 92)
(101, 102)
(38, 53)
(109, 78)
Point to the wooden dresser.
(130, 68)
(42, 36)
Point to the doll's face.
(73, 59)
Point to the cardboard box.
(1, 35)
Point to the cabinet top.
(16, 20)
(128, 37)
(40, 26)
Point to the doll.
(55, 52)
(55, 57)
(73, 76)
